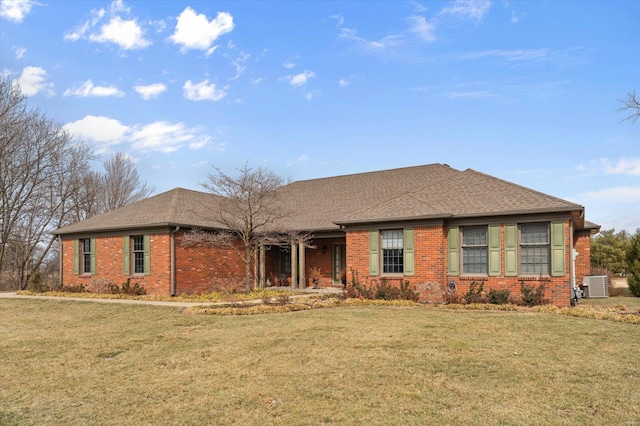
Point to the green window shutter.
(374, 253)
(409, 254)
(510, 250)
(93, 256)
(76, 257)
(454, 251)
(494, 250)
(127, 259)
(557, 249)
(147, 254)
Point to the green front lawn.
(65, 362)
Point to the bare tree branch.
(631, 105)
(121, 184)
(248, 208)
(40, 165)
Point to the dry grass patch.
(65, 362)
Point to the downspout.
(572, 258)
(173, 261)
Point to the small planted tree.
(633, 264)
(248, 210)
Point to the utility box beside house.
(595, 286)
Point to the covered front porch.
(319, 263)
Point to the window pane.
(392, 239)
(534, 249)
(138, 263)
(392, 252)
(138, 243)
(534, 233)
(138, 254)
(393, 261)
(474, 236)
(474, 260)
(474, 250)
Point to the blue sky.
(527, 91)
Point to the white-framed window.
(534, 249)
(85, 256)
(474, 250)
(137, 245)
(392, 251)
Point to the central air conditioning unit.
(595, 286)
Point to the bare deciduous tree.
(248, 210)
(631, 105)
(120, 184)
(39, 169)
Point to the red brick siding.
(110, 264)
(582, 245)
(202, 269)
(431, 267)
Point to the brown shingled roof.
(430, 191)
(178, 207)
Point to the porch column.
(294, 264)
(262, 266)
(303, 278)
(256, 282)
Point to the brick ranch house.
(433, 226)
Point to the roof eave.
(392, 219)
(61, 231)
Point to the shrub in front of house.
(532, 296)
(474, 295)
(498, 297)
(382, 290)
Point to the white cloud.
(239, 63)
(619, 194)
(15, 10)
(343, 82)
(386, 42)
(20, 51)
(203, 91)
(515, 18)
(125, 33)
(103, 130)
(33, 80)
(162, 136)
(622, 166)
(88, 89)
(195, 31)
(300, 79)
(339, 19)
(151, 90)
(473, 9)
(509, 55)
(256, 81)
(422, 28)
(289, 65)
(301, 159)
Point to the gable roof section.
(318, 203)
(178, 207)
(420, 192)
(466, 194)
